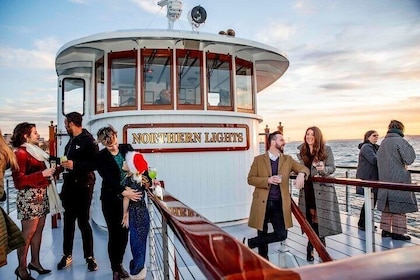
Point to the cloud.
(41, 57)
(148, 6)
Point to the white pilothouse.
(202, 141)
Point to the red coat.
(30, 171)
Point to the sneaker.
(66, 261)
(91, 264)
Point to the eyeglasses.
(375, 135)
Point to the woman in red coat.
(31, 181)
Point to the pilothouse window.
(219, 82)
(122, 92)
(73, 96)
(157, 81)
(189, 73)
(244, 85)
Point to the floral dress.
(31, 197)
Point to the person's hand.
(67, 164)
(320, 166)
(275, 179)
(132, 194)
(300, 181)
(124, 222)
(48, 172)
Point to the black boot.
(310, 252)
(316, 229)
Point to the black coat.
(79, 182)
(367, 168)
(110, 172)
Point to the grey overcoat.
(393, 156)
(326, 201)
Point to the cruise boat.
(202, 140)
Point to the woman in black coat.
(367, 168)
(109, 163)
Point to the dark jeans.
(273, 214)
(117, 234)
(362, 212)
(71, 214)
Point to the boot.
(310, 252)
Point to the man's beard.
(280, 148)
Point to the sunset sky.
(354, 65)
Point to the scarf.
(52, 193)
(396, 130)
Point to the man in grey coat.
(394, 155)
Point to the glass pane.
(100, 89)
(73, 95)
(189, 82)
(218, 79)
(123, 82)
(157, 77)
(244, 85)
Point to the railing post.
(154, 268)
(347, 195)
(286, 259)
(165, 249)
(368, 220)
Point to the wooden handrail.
(310, 233)
(367, 183)
(215, 252)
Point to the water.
(346, 153)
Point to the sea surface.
(346, 152)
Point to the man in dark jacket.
(77, 189)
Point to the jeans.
(273, 214)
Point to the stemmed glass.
(64, 159)
(317, 164)
(152, 173)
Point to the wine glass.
(318, 164)
(152, 173)
(64, 159)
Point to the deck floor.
(349, 243)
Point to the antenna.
(174, 10)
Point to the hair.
(7, 155)
(394, 124)
(75, 118)
(368, 134)
(273, 136)
(106, 135)
(318, 152)
(22, 129)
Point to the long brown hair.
(7, 154)
(318, 152)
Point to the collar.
(273, 157)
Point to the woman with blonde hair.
(10, 235)
(31, 182)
